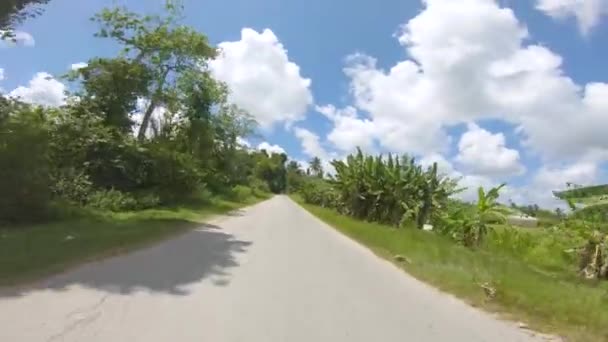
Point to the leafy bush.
(594, 213)
(319, 192)
(25, 172)
(72, 185)
(241, 193)
(174, 176)
(259, 186)
(112, 200)
(148, 200)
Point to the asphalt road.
(270, 273)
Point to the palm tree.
(316, 169)
(294, 167)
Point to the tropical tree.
(295, 176)
(14, 12)
(111, 89)
(166, 50)
(316, 168)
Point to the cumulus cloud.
(311, 143)
(262, 79)
(78, 66)
(271, 149)
(469, 182)
(43, 90)
(349, 131)
(312, 147)
(444, 166)
(554, 178)
(484, 153)
(243, 142)
(469, 60)
(588, 13)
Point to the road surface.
(270, 273)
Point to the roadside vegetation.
(145, 142)
(552, 277)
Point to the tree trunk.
(141, 135)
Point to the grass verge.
(31, 252)
(562, 305)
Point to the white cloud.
(43, 90)
(243, 142)
(469, 182)
(470, 61)
(484, 153)
(444, 166)
(304, 165)
(1, 74)
(261, 78)
(588, 13)
(311, 144)
(539, 190)
(19, 38)
(312, 147)
(349, 130)
(554, 178)
(78, 66)
(271, 149)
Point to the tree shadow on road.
(169, 267)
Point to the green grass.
(551, 301)
(31, 252)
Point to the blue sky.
(468, 87)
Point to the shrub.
(259, 186)
(24, 175)
(72, 185)
(147, 200)
(112, 200)
(319, 192)
(174, 176)
(241, 193)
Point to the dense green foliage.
(398, 192)
(470, 227)
(13, 12)
(148, 127)
(387, 190)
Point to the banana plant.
(392, 190)
(487, 209)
